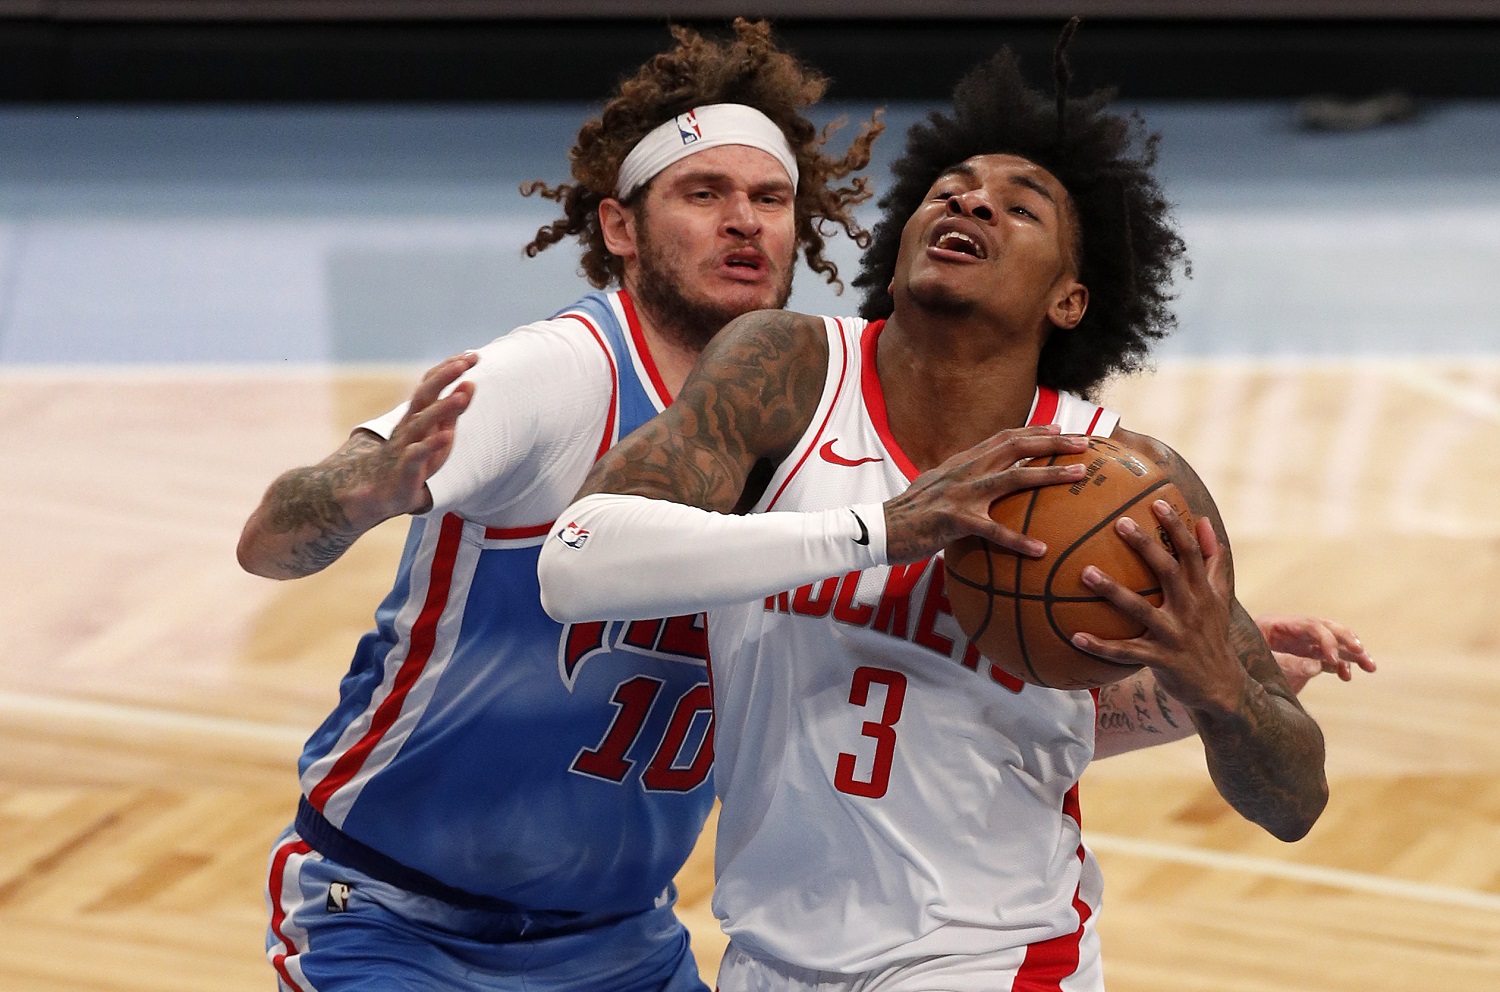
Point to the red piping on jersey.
(1050, 961)
(422, 640)
(608, 440)
(278, 912)
(1098, 412)
(875, 398)
(638, 338)
(833, 404)
(1044, 408)
(517, 533)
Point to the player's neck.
(673, 356)
(947, 389)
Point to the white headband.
(698, 130)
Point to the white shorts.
(1002, 971)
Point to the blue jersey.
(480, 749)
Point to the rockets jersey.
(930, 798)
(481, 743)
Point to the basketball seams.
(1020, 566)
(1049, 599)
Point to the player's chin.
(765, 293)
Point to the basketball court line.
(1336, 878)
(55, 710)
(1475, 401)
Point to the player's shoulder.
(771, 336)
(556, 346)
(1151, 448)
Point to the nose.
(973, 203)
(740, 217)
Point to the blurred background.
(232, 229)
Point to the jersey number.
(883, 731)
(633, 699)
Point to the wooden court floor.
(153, 698)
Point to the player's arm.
(1136, 712)
(653, 531)
(1265, 754)
(310, 516)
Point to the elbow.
(1300, 823)
(247, 552)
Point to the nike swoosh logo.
(828, 455)
(864, 532)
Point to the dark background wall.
(473, 50)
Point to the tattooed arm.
(1265, 754)
(664, 496)
(1136, 713)
(748, 399)
(310, 516)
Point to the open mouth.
(750, 261)
(957, 241)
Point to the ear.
(617, 224)
(1069, 305)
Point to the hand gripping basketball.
(1023, 612)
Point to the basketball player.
(499, 801)
(898, 814)
(496, 793)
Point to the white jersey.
(889, 794)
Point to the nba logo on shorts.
(687, 127)
(338, 896)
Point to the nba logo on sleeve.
(687, 127)
(573, 535)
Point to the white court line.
(1337, 878)
(293, 737)
(1475, 401)
(145, 718)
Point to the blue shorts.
(334, 929)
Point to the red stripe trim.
(517, 533)
(1050, 961)
(1098, 412)
(423, 640)
(278, 911)
(608, 440)
(874, 395)
(833, 404)
(1044, 407)
(638, 338)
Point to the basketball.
(1021, 612)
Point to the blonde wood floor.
(153, 698)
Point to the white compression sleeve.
(613, 557)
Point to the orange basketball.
(1021, 612)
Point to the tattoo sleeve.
(749, 399)
(1265, 753)
(302, 513)
(1267, 756)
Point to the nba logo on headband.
(700, 129)
(687, 127)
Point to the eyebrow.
(1032, 184)
(779, 183)
(969, 172)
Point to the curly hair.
(748, 69)
(1126, 244)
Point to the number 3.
(882, 732)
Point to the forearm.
(614, 557)
(310, 516)
(1265, 754)
(298, 529)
